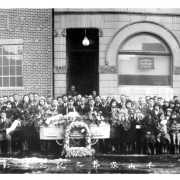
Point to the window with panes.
(11, 66)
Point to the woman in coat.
(42, 108)
(129, 126)
(149, 134)
(25, 133)
(156, 112)
(115, 130)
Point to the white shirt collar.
(150, 107)
(104, 104)
(91, 108)
(3, 120)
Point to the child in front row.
(175, 132)
(163, 137)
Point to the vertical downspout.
(53, 52)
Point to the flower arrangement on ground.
(77, 151)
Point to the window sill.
(135, 86)
(11, 88)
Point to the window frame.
(148, 34)
(148, 53)
(16, 75)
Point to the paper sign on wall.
(145, 63)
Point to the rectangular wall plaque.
(145, 63)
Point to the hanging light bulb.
(85, 41)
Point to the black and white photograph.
(89, 90)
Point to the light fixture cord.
(85, 32)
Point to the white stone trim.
(11, 41)
(11, 88)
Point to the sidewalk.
(41, 163)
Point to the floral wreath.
(77, 151)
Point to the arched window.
(144, 59)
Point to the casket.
(100, 132)
(57, 132)
(51, 132)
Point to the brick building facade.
(32, 60)
(30, 29)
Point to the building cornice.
(156, 11)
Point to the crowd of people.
(159, 125)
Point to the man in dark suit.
(94, 94)
(5, 99)
(160, 101)
(91, 106)
(72, 91)
(60, 101)
(123, 101)
(55, 108)
(78, 101)
(65, 103)
(49, 101)
(9, 110)
(17, 102)
(4, 124)
(36, 99)
(150, 105)
(147, 99)
(70, 107)
(108, 100)
(175, 98)
(142, 106)
(104, 108)
(165, 106)
(11, 99)
(98, 103)
(82, 108)
(1, 102)
(86, 99)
